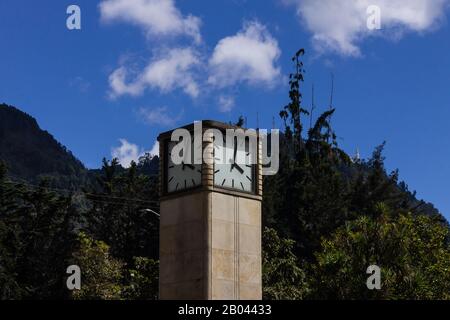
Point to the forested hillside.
(31, 153)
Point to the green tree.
(371, 185)
(36, 240)
(412, 251)
(319, 192)
(311, 196)
(101, 274)
(9, 240)
(118, 215)
(292, 112)
(143, 280)
(282, 276)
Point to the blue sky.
(140, 67)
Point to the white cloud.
(172, 70)
(159, 116)
(155, 149)
(156, 17)
(226, 103)
(249, 56)
(340, 26)
(126, 153)
(119, 87)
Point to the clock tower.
(210, 224)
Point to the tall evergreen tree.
(119, 214)
(36, 240)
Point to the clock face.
(182, 176)
(231, 175)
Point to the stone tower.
(210, 228)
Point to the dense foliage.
(36, 240)
(412, 252)
(336, 216)
(326, 218)
(43, 232)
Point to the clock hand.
(233, 165)
(235, 152)
(239, 168)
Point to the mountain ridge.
(32, 154)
